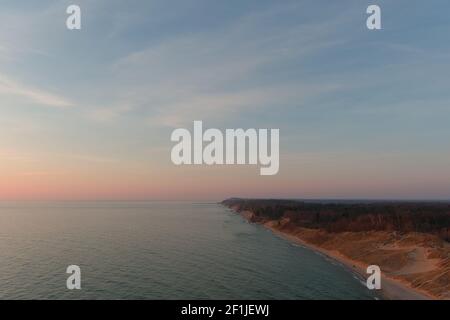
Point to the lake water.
(157, 250)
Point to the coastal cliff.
(408, 241)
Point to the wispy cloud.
(215, 106)
(108, 114)
(217, 74)
(9, 87)
(340, 94)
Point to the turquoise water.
(157, 250)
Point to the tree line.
(403, 217)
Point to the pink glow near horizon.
(194, 186)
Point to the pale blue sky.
(349, 102)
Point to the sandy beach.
(392, 288)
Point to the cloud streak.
(9, 87)
(222, 73)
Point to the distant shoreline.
(392, 288)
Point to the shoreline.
(391, 289)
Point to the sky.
(88, 114)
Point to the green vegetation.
(403, 217)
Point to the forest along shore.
(409, 241)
